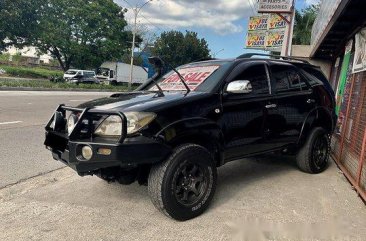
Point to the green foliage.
(304, 21)
(26, 72)
(57, 85)
(4, 57)
(178, 48)
(77, 33)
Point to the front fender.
(198, 130)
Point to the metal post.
(136, 11)
(290, 25)
(133, 48)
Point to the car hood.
(141, 101)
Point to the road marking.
(10, 122)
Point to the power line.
(252, 5)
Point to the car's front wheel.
(313, 156)
(183, 185)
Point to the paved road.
(23, 115)
(257, 199)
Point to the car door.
(293, 101)
(243, 119)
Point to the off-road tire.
(306, 157)
(166, 194)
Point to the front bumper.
(132, 152)
(126, 152)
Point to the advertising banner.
(275, 6)
(276, 22)
(266, 31)
(258, 23)
(256, 39)
(275, 39)
(359, 63)
(345, 71)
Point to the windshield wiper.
(180, 77)
(159, 69)
(158, 62)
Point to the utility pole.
(136, 10)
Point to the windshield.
(71, 72)
(199, 77)
(103, 72)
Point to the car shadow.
(233, 177)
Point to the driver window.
(257, 76)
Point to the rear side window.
(257, 76)
(287, 78)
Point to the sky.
(223, 23)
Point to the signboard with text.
(193, 76)
(259, 22)
(266, 31)
(256, 40)
(275, 6)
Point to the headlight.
(71, 122)
(112, 125)
(137, 120)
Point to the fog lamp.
(104, 151)
(87, 152)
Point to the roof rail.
(250, 55)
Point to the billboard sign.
(275, 6)
(256, 40)
(266, 31)
(275, 39)
(276, 22)
(259, 22)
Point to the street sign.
(275, 6)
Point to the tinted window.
(287, 78)
(257, 76)
(89, 74)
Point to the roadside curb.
(54, 89)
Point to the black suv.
(177, 128)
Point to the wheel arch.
(318, 117)
(200, 131)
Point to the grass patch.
(61, 86)
(30, 72)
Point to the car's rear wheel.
(183, 185)
(314, 155)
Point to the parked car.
(81, 76)
(176, 129)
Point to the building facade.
(339, 36)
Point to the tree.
(77, 33)
(177, 48)
(304, 21)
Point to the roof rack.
(250, 55)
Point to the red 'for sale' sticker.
(194, 76)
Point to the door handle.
(310, 101)
(271, 106)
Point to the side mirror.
(239, 87)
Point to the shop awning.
(337, 22)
